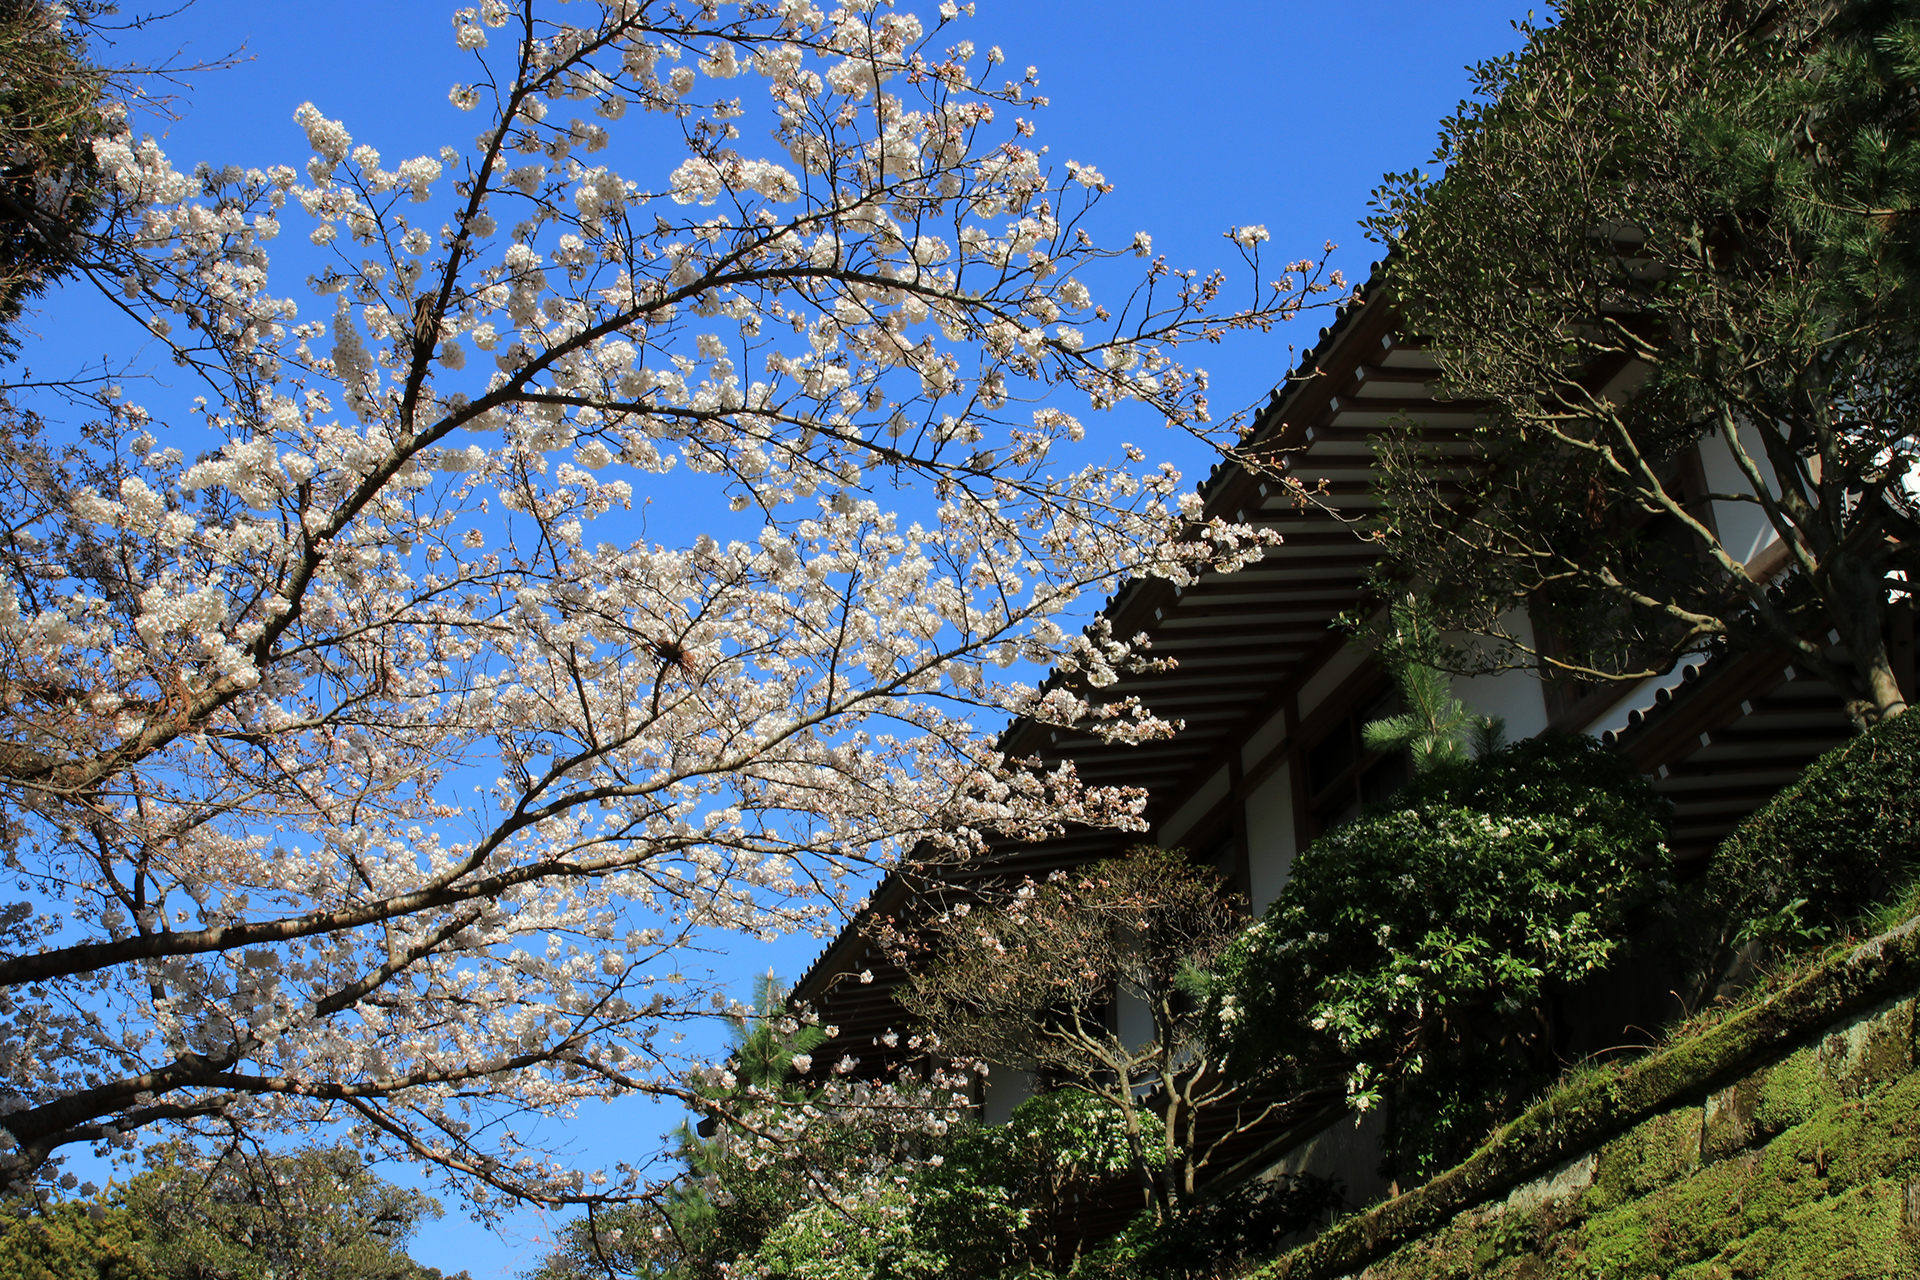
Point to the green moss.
(1475, 1245)
(1650, 1156)
(1847, 1237)
(1792, 1091)
(1443, 1255)
(1730, 1119)
(1747, 1216)
(1826, 1198)
(1694, 1219)
(1872, 1049)
(1849, 1143)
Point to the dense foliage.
(1015, 1196)
(1416, 948)
(1019, 1200)
(74, 1241)
(1026, 980)
(317, 1214)
(1834, 844)
(1676, 253)
(981, 1202)
(51, 109)
(1002, 1200)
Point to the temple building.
(1273, 695)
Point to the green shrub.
(1009, 1199)
(998, 1201)
(1827, 849)
(1216, 1237)
(863, 1239)
(1413, 948)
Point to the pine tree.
(1433, 727)
(1665, 226)
(50, 111)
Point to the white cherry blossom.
(367, 760)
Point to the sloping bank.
(1783, 1141)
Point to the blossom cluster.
(370, 768)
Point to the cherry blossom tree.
(367, 761)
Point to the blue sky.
(1278, 112)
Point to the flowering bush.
(1415, 949)
(1014, 1197)
(979, 1202)
(995, 1201)
(874, 1236)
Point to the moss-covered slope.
(1782, 1141)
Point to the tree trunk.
(1856, 599)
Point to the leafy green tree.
(74, 1240)
(319, 1213)
(1666, 224)
(1415, 949)
(314, 1214)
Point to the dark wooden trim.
(1674, 733)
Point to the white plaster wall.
(1270, 838)
(1744, 529)
(1518, 697)
(1006, 1089)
